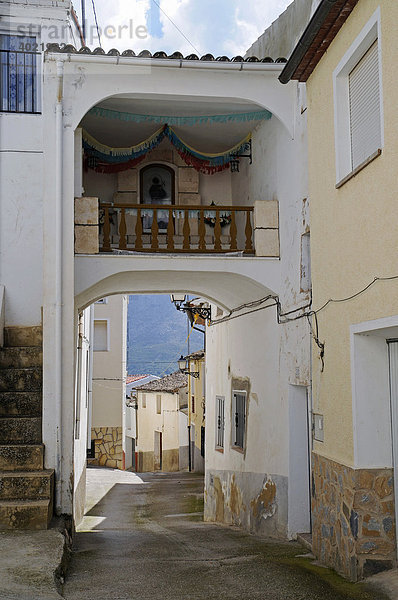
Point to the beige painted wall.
(148, 421)
(109, 369)
(197, 390)
(354, 229)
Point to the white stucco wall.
(272, 358)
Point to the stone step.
(26, 485)
(24, 457)
(21, 358)
(21, 380)
(25, 514)
(23, 336)
(20, 430)
(21, 404)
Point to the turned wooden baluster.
(155, 230)
(138, 231)
(249, 233)
(202, 231)
(122, 230)
(170, 231)
(106, 243)
(217, 232)
(186, 231)
(233, 232)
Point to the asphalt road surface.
(143, 538)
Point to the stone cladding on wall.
(108, 447)
(353, 518)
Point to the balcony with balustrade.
(183, 190)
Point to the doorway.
(299, 518)
(157, 458)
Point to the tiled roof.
(195, 355)
(132, 378)
(70, 49)
(171, 383)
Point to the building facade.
(109, 381)
(162, 424)
(352, 187)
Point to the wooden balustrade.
(170, 228)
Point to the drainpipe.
(189, 419)
(58, 284)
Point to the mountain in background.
(156, 335)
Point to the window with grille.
(19, 74)
(365, 121)
(158, 404)
(220, 421)
(238, 418)
(143, 401)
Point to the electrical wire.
(284, 317)
(176, 26)
(96, 23)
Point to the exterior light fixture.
(234, 158)
(178, 300)
(183, 366)
(204, 312)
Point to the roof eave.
(309, 36)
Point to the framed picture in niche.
(157, 186)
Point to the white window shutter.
(365, 111)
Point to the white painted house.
(227, 221)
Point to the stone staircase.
(26, 488)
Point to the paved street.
(143, 538)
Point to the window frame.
(370, 34)
(220, 447)
(158, 404)
(143, 400)
(14, 30)
(234, 428)
(107, 335)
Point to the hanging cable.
(176, 26)
(96, 23)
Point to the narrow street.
(143, 538)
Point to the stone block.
(86, 239)
(23, 336)
(266, 242)
(185, 199)
(177, 160)
(266, 214)
(86, 211)
(127, 181)
(164, 153)
(188, 180)
(125, 197)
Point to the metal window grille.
(202, 441)
(19, 74)
(220, 403)
(365, 111)
(239, 418)
(143, 400)
(158, 404)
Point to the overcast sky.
(216, 26)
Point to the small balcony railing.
(170, 228)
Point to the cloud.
(216, 26)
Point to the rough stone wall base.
(254, 501)
(353, 518)
(108, 447)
